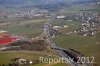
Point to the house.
(60, 17)
(55, 27)
(65, 26)
(22, 61)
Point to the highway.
(53, 44)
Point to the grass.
(72, 25)
(29, 28)
(95, 9)
(7, 56)
(60, 64)
(89, 46)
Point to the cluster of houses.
(58, 27)
(94, 3)
(22, 61)
(23, 13)
(89, 23)
(26, 14)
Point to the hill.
(23, 3)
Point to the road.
(53, 44)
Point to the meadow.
(29, 28)
(9, 55)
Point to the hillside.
(21, 3)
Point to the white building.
(65, 26)
(60, 17)
(2, 31)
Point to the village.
(89, 22)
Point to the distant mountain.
(42, 4)
(16, 3)
(53, 7)
(23, 3)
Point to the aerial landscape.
(49, 32)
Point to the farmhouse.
(22, 61)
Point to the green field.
(72, 25)
(29, 28)
(60, 64)
(88, 46)
(7, 56)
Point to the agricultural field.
(9, 55)
(29, 28)
(88, 46)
